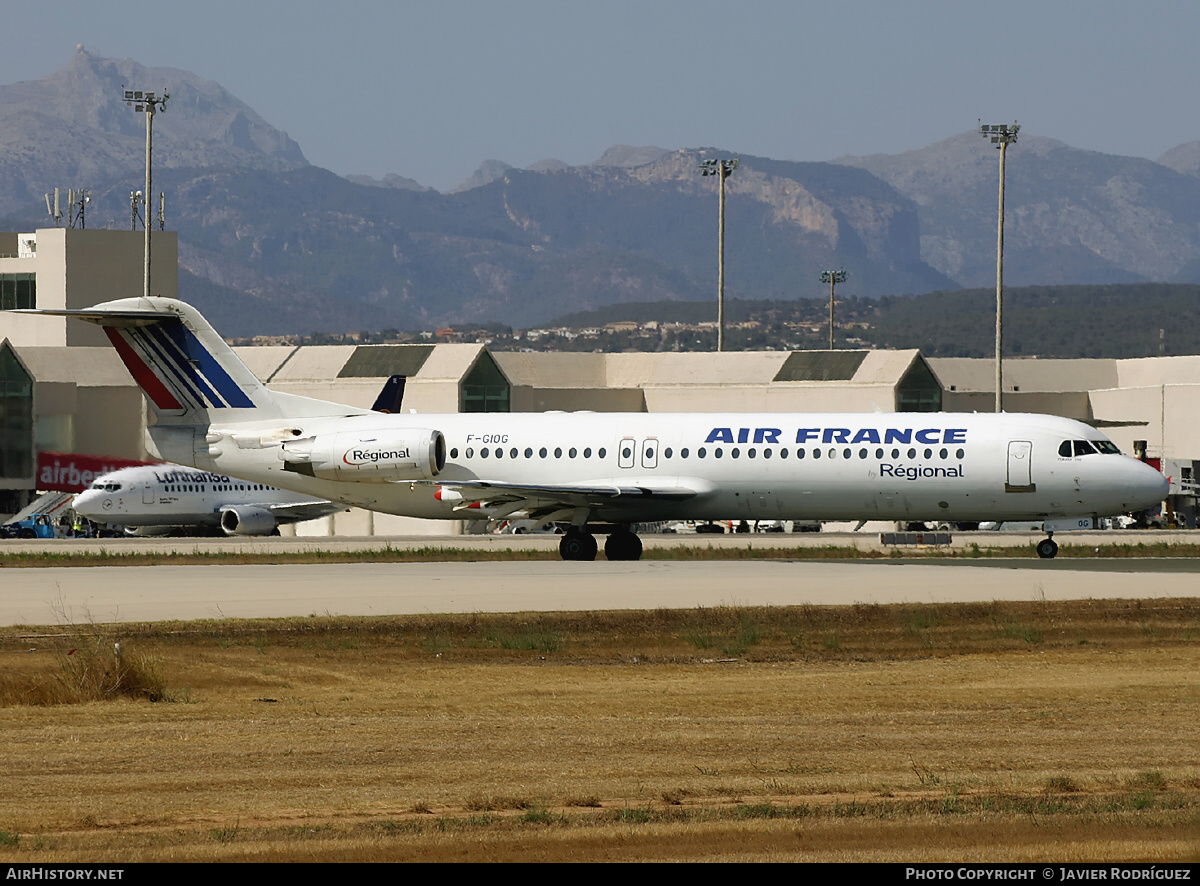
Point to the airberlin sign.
(69, 472)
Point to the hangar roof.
(265, 361)
(638, 370)
(1030, 374)
(449, 361)
(553, 368)
(86, 367)
(325, 363)
(1144, 372)
(312, 363)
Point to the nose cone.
(1146, 485)
(87, 503)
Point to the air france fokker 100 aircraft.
(604, 472)
(154, 498)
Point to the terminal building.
(64, 390)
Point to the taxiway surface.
(60, 595)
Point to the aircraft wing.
(539, 500)
(480, 489)
(298, 511)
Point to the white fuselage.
(902, 466)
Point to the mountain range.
(272, 244)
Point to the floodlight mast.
(723, 169)
(148, 103)
(833, 278)
(1001, 135)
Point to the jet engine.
(247, 520)
(368, 456)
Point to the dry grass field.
(998, 732)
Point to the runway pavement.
(865, 540)
(60, 595)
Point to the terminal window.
(16, 417)
(918, 390)
(485, 389)
(17, 291)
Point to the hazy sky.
(429, 90)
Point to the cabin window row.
(719, 452)
(499, 452)
(831, 452)
(232, 487)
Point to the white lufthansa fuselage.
(168, 495)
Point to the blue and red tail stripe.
(162, 353)
(158, 393)
(196, 356)
(171, 365)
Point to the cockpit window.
(1076, 448)
(106, 487)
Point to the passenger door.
(1020, 473)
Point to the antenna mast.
(148, 103)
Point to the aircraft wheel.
(1047, 549)
(623, 545)
(576, 545)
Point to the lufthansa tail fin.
(391, 397)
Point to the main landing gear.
(1047, 548)
(579, 544)
(623, 545)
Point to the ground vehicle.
(33, 526)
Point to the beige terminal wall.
(1171, 416)
(358, 522)
(78, 268)
(777, 397)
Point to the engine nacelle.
(371, 455)
(243, 520)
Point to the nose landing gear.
(1047, 548)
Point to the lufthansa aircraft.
(159, 498)
(604, 472)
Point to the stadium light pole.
(148, 103)
(1001, 135)
(723, 169)
(833, 278)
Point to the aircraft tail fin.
(391, 398)
(189, 375)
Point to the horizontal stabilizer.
(116, 319)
